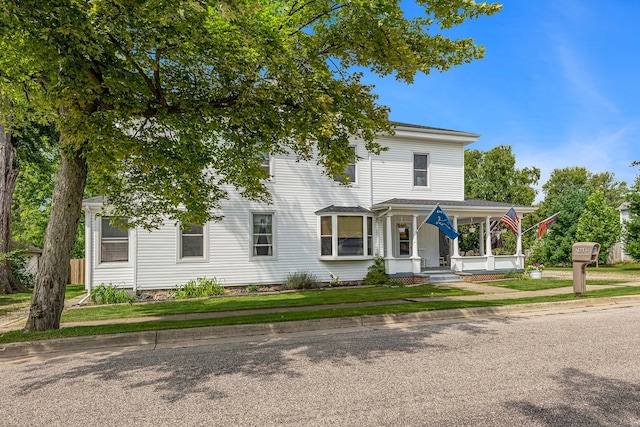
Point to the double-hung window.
(350, 170)
(420, 170)
(192, 241)
(266, 164)
(262, 240)
(114, 242)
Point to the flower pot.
(535, 274)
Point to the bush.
(110, 294)
(375, 278)
(302, 280)
(253, 288)
(18, 263)
(200, 287)
(378, 265)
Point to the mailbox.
(582, 254)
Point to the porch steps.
(440, 276)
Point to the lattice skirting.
(412, 280)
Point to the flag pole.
(424, 222)
(535, 225)
(495, 224)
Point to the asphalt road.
(573, 369)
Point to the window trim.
(205, 246)
(109, 264)
(274, 253)
(334, 237)
(427, 171)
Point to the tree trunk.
(8, 175)
(51, 281)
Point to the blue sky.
(560, 83)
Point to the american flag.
(542, 227)
(511, 219)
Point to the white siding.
(117, 273)
(298, 190)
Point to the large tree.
(600, 223)
(492, 175)
(172, 103)
(631, 232)
(566, 192)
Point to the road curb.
(150, 339)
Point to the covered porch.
(410, 246)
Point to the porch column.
(456, 252)
(519, 241)
(481, 238)
(415, 256)
(389, 246)
(488, 237)
(389, 261)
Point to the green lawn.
(537, 285)
(291, 299)
(13, 302)
(17, 336)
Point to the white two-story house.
(314, 224)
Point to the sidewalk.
(152, 339)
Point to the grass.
(13, 302)
(293, 299)
(75, 331)
(541, 284)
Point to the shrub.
(301, 280)
(200, 287)
(18, 263)
(253, 288)
(375, 278)
(378, 265)
(110, 294)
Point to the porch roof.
(464, 208)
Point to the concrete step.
(441, 277)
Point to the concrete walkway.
(485, 293)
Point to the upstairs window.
(192, 241)
(266, 164)
(350, 170)
(114, 242)
(420, 170)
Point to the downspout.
(88, 254)
(370, 181)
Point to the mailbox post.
(582, 254)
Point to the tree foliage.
(492, 175)
(599, 223)
(567, 192)
(171, 104)
(631, 233)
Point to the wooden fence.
(76, 277)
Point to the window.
(114, 242)
(346, 235)
(350, 170)
(369, 236)
(266, 163)
(326, 235)
(262, 234)
(192, 242)
(404, 240)
(420, 170)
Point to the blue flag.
(441, 220)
